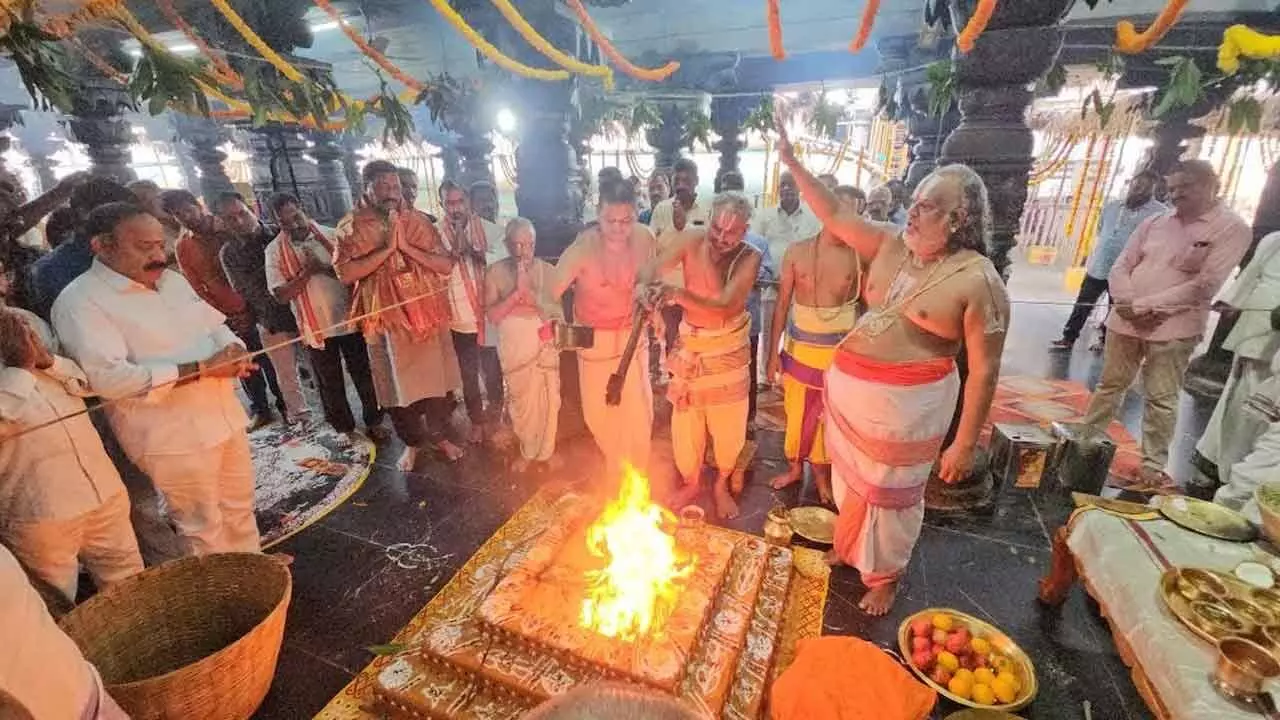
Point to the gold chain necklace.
(857, 277)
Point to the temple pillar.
(277, 164)
(98, 123)
(1020, 44)
(351, 162)
(202, 137)
(925, 134)
(667, 138)
(727, 115)
(451, 160)
(1170, 136)
(333, 182)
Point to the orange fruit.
(948, 661)
(965, 673)
(943, 622)
(983, 694)
(983, 676)
(960, 686)
(1010, 678)
(979, 646)
(1004, 690)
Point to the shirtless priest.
(892, 388)
(602, 265)
(818, 291)
(710, 365)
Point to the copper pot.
(1243, 667)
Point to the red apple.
(940, 637)
(919, 644)
(922, 660)
(957, 643)
(922, 628)
(964, 633)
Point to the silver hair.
(734, 202)
(974, 232)
(515, 226)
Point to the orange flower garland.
(221, 70)
(977, 23)
(370, 51)
(774, 15)
(611, 53)
(864, 29)
(1129, 41)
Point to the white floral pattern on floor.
(303, 471)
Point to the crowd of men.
(154, 306)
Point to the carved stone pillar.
(473, 146)
(727, 116)
(451, 160)
(1171, 135)
(277, 164)
(333, 181)
(351, 162)
(1020, 44)
(925, 134)
(667, 138)
(202, 138)
(97, 122)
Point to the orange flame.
(639, 583)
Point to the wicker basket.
(192, 638)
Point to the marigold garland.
(369, 51)
(551, 52)
(616, 58)
(773, 14)
(977, 23)
(1242, 40)
(221, 69)
(254, 40)
(487, 49)
(864, 28)
(1129, 41)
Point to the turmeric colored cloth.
(623, 432)
(885, 426)
(403, 308)
(819, 685)
(710, 381)
(812, 337)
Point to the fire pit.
(621, 591)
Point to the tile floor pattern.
(362, 572)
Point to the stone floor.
(365, 570)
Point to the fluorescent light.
(179, 49)
(506, 120)
(323, 26)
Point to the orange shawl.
(844, 678)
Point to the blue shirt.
(645, 216)
(1116, 223)
(767, 273)
(55, 271)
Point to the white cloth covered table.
(1121, 562)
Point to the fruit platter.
(967, 660)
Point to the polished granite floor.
(362, 572)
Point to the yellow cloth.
(795, 393)
(623, 432)
(709, 391)
(845, 678)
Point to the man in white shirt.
(61, 498)
(167, 363)
(471, 240)
(299, 270)
(669, 218)
(42, 672)
(789, 223)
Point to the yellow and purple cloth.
(812, 336)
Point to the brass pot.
(777, 527)
(1243, 667)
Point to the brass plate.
(813, 523)
(1207, 518)
(1181, 607)
(1120, 508)
(1000, 643)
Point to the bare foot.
(879, 599)
(407, 458)
(832, 558)
(793, 475)
(822, 478)
(451, 452)
(726, 508)
(686, 494)
(737, 480)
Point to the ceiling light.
(323, 26)
(506, 120)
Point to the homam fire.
(604, 590)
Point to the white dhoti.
(532, 370)
(1260, 466)
(1232, 429)
(624, 432)
(709, 393)
(885, 423)
(209, 494)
